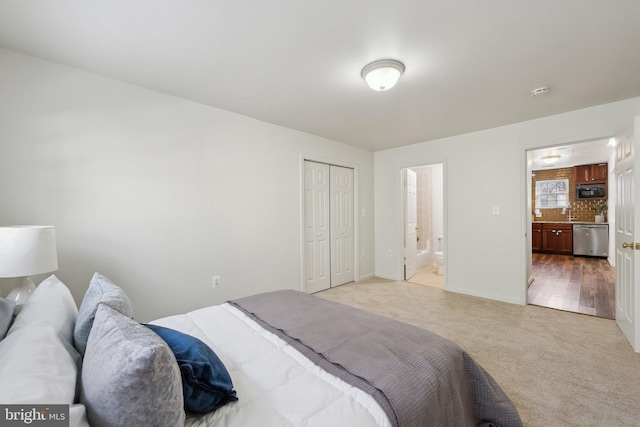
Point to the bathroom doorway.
(424, 243)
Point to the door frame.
(528, 222)
(445, 217)
(356, 214)
(409, 269)
(528, 208)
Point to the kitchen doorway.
(569, 268)
(424, 240)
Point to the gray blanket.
(416, 376)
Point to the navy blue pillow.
(206, 383)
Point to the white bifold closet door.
(328, 225)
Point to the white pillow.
(7, 309)
(51, 301)
(35, 367)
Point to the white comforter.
(276, 385)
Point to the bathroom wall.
(425, 213)
(581, 210)
(430, 205)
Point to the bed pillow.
(129, 375)
(206, 383)
(51, 301)
(35, 366)
(101, 290)
(6, 316)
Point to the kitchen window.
(552, 193)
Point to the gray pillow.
(101, 290)
(6, 316)
(129, 375)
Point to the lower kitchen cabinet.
(536, 237)
(556, 238)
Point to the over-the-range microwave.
(591, 191)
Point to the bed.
(282, 358)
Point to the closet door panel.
(342, 232)
(317, 227)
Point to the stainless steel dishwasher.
(591, 239)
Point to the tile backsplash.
(580, 210)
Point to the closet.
(328, 226)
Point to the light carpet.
(559, 368)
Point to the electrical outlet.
(389, 253)
(216, 282)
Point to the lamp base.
(22, 291)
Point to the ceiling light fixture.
(383, 74)
(540, 91)
(549, 160)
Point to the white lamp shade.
(26, 250)
(382, 75)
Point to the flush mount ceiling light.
(383, 74)
(549, 160)
(540, 91)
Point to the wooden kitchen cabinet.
(589, 174)
(554, 238)
(536, 237)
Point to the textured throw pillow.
(51, 301)
(129, 375)
(6, 316)
(101, 290)
(206, 383)
(35, 366)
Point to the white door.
(627, 288)
(316, 227)
(411, 224)
(341, 204)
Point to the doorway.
(562, 274)
(424, 240)
(328, 226)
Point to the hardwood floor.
(579, 284)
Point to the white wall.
(157, 192)
(486, 253)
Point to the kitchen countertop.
(569, 222)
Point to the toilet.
(438, 256)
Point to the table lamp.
(26, 250)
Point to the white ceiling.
(584, 153)
(470, 64)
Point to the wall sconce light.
(383, 74)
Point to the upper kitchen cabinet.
(589, 174)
